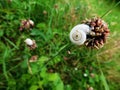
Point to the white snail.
(79, 33)
(29, 42)
(31, 22)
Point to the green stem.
(5, 55)
(11, 43)
(102, 77)
(61, 49)
(107, 12)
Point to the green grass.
(60, 64)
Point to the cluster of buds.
(31, 43)
(99, 33)
(26, 24)
(33, 58)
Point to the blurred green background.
(60, 64)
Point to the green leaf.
(55, 60)
(34, 68)
(24, 62)
(39, 66)
(39, 33)
(1, 33)
(42, 60)
(59, 86)
(43, 73)
(68, 87)
(57, 83)
(41, 25)
(33, 87)
(53, 77)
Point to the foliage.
(60, 65)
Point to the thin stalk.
(5, 55)
(60, 50)
(11, 43)
(29, 8)
(107, 12)
(102, 77)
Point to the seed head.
(99, 33)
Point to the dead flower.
(33, 58)
(26, 24)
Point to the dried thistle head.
(26, 24)
(33, 58)
(99, 32)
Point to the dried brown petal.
(65, 58)
(90, 88)
(96, 46)
(97, 37)
(98, 34)
(56, 6)
(92, 75)
(33, 58)
(101, 41)
(92, 24)
(96, 42)
(99, 22)
(26, 24)
(45, 12)
(92, 33)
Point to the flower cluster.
(26, 24)
(99, 32)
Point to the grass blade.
(5, 55)
(102, 77)
(110, 9)
(11, 43)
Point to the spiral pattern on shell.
(78, 34)
(99, 32)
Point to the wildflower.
(99, 33)
(56, 6)
(76, 69)
(85, 75)
(90, 88)
(65, 58)
(26, 24)
(45, 12)
(68, 52)
(92, 75)
(33, 58)
(31, 43)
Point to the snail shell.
(29, 42)
(78, 34)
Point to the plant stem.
(107, 12)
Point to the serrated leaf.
(53, 77)
(42, 60)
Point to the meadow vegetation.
(59, 64)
